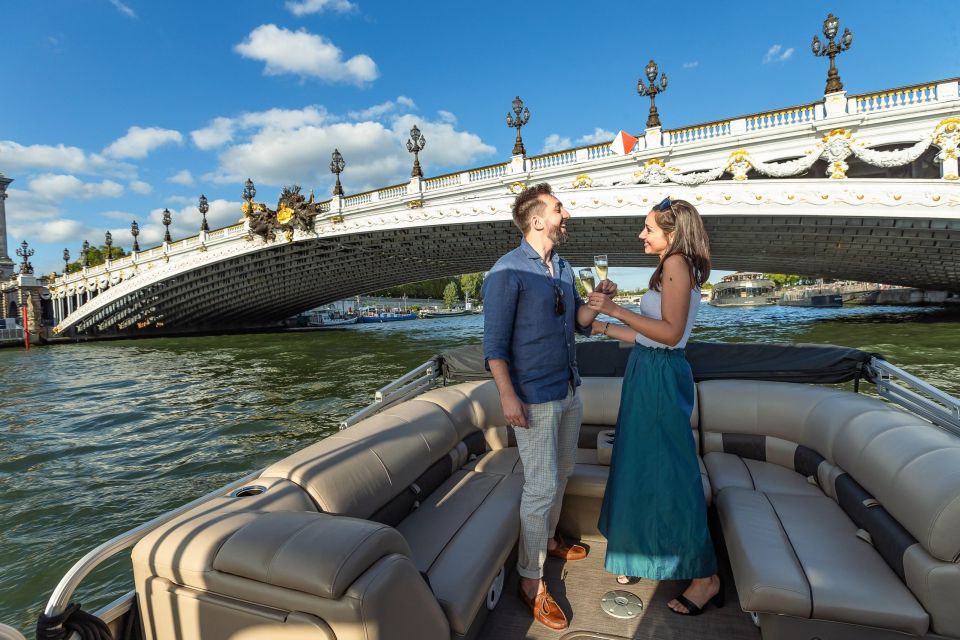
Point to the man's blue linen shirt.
(521, 327)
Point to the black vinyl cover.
(811, 363)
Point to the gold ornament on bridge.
(415, 204)
(947, 137)
(284, 214)
(582, 181)
(517, 187)
(739, 164)
(836, 149)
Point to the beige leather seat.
(839, 512)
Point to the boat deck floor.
(578, 587)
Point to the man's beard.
(558, 235)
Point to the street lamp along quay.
(66, 260)
(108, 240)
(522, 114)
(830, 27)
(25, 252)
(653, 119)
(84, 257)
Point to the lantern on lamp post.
(516, 120)
(651, 70)
(830, 27)
(337, 165)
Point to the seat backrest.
(894, 474)
(357, 471)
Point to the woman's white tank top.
(650, 308)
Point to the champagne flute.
(586, 278)
(600, 263)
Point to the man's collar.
(531, 253)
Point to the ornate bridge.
(861, 187)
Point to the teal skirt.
(654, 516)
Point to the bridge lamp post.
(167, 219)
(108, 240)
(204, 206)
(135, 231)
(66, 261)
(516, 120)
(415, 144)
(84, 257)
(337, 165)
(830, 27)
(25, 252)
(653, 120)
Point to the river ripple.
(99, 437)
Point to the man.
(531, 310)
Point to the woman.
(654, 515)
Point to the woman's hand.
(597, 327)
(601, 303)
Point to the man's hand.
(514, 411)
(607, 287)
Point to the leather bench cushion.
(357, 471)
(768, 576)
(315, 553)
(799, 555)
(461, 535)
(728, 470)
(601, 399)
(183, 549)
(500, 461)
(590, 481)
(838, 566)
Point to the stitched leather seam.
(796, 557)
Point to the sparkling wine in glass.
(600, 263)
(586, 278)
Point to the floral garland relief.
(835, 147)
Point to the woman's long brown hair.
(687, 238)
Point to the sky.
(112, 110)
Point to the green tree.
(472, 284)
(97, 256)
(451, 295)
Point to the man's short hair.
(529, 203)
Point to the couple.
(654, 514)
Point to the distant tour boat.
(445, 313)
(743, 289)
(387, 316)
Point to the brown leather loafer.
(568, 552)
(545, 610)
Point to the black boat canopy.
(810, 363)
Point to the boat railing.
(412, 383)
(62, 594)
(917, 396)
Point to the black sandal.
(693, 610)
(625, 580)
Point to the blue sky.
(114, 109)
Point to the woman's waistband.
(665, 352)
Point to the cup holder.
(247, 491)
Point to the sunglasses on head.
(558, 307)
(665, 204)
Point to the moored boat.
(743, 289)
(387, 316)
(445, 313)
(404, 525)
(810, 298)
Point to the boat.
(445, 313)
(329, 318)
(377, 316)
(743, 289)
(832, 512)
(806, 297)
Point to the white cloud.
(305, 54)
(186, 220)
(446, 116)
(124, 9)
(139, 141)
(183, 177)
(61, 187)
(139, 186)
(119, 215)
(374, 150)
(63, 230)
(180, 200)
(306, 7)
(36, 218)
(776, 53)
(18, 157)
(691, 65)
(406, 102)
(556, 142)
(216, 134)
(375, 112)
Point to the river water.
(100, 437)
